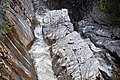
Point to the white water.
(40, 50)
(41, 55)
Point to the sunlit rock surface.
(74, 58)
(58, 52)
(56, 24)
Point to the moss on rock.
(5, 26)
(111, 7)
(103, 5)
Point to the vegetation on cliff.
(113, 8)
(5, 26)
(5, 3)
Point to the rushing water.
(79, 52)
(41, 55)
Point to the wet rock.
(74, 57)
(79, 59)
(116, 32)
(102, 36)
(87, 26)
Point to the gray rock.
(81, 58)
(90, 27)
(56, 24)
(75, 58)
(116, 32)
(39, 6)
(98, 15)
(102, 36)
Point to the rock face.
(92, 52)
(102, 11)
(15, 62)
(39, 6)
(102, 36)
(77, 8)
(75, 58)
(107, 16)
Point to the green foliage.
(5, 26)
(112, 7)
(103, 5)
(5, 3)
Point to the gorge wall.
(41, 40)
(16, 18)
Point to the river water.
(84, 58)
(41, 55)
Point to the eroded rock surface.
(103, 36)
(15, 62)
(59, 52)
(75, 58)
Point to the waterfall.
(73, 57)
(41, 55)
